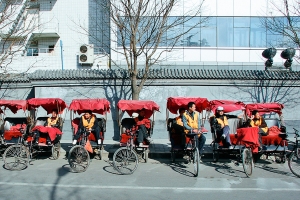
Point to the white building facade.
(233, 37)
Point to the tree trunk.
(134, 88)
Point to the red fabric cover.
(47, 103)
(8, 135)
(13, 105)
(17, 127)
(100, 106)
(247, 137)
(273, 137)
(75, 125)
(174, 103)
(50, 130)
(228, 105)
(264, 108)
(145, 122)
(131, 106)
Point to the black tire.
(16, 157)
(125, 161)
(173, 154)
(100, 152)
(294, 162)
(247, 160)
(215, 152)
(146, 154)
(79, 158)
(196, 162)
(56, 150)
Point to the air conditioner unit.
(86, 54)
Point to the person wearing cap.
(88, 122)
(192, 124)
(143, 124)
(219, 123)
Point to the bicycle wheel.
(125, 161)
(215, 152)
(16, 157)
(56, 151)
(294, 162)
(79, 158)
(196, 161)
(247, 161)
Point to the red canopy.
(264, 108)
(131, 106)
(228, 105)
(47, 103)
(174, 103)
(13, 105)
(100, 106)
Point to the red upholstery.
(8, 135)
(247, 137)
(52, 132)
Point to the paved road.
(158, 179)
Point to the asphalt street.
(157, 179)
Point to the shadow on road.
(226, 169)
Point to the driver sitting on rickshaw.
(143, 124)
(192, 124)
(88, 122)
(220, 122)
(54, 121)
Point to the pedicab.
(16, 155)
(50, 136)
(126, 158)
(191, 151)
(244, 141)
(79, 158)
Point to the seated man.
(88, 122)
(219, 123)
(258, 121)
(54, 121)
(178, 127)
(143, 124)
(192, 124)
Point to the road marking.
(147, 188)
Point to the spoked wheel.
(56, 150)
(196, 161)
(294, 162)
(16, 157)
(247, 161)
(173, 154)
(125, 161)
(79, 158)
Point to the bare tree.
(288, 25)
(16, 26)
(262, 91)
(140, 28)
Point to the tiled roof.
(14, 78)
(204, 74)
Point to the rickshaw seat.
(101, 122)
(9, 122)
(272, 122)
(40, 121)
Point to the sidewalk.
(159, 148)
